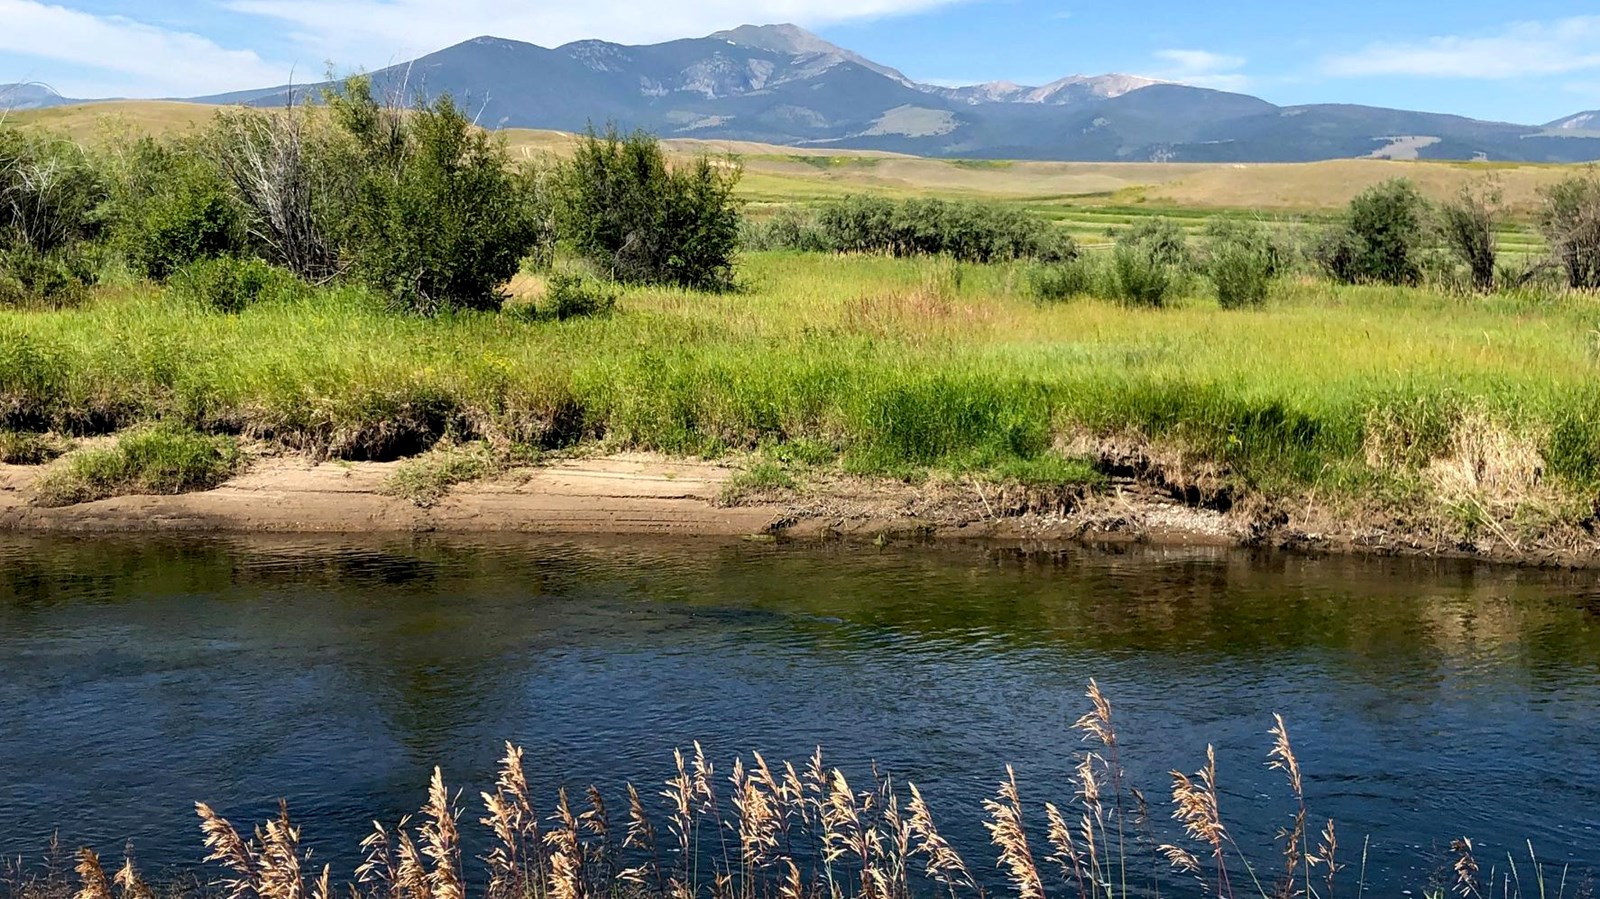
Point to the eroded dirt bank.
(635, 494)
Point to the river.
(1426, 700)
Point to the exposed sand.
(643, 495)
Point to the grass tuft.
(29, 448)
(157, 459)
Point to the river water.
(1427, 700)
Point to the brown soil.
(637, 494)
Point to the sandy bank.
(636, 494)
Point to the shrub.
(171, 206)
(50, 193)
(229, 284)
(787, 229)
(1383, 238)
(1058, 281)
(438, 220)
(1467, 225)
(1160, 239)
(969, 232)
(1241, 259)
(1139, 277)
(51, 280)
(158, 459)
(620, 205)
(1570, 221)
(574, 296)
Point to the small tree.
(1383, 239)
(1467, 224)
(438, 220)
(1570, 220)
(620, 205)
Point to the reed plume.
(92, 880)
(1009, 835)
(412, 868)
(129, 884)
(1327, 856)
(441, 841)
(378, 867)
(566, 850)
(226, 847)
(1066, 853)
(1196, 806)
(641, 835)
(1282, 758)
(517, 863)
(1466, 868)
(944, 864)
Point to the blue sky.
(1531, 61)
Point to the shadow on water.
(1428, 699)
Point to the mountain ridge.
(781, 84)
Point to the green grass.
(155, 459)
(761, 478)
(881, 363)
(428, 478)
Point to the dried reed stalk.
(1007, 832)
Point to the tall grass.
(804, 831)
(889, 362)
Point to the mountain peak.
(784, 38)
(792, 40)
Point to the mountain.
(30, 96)
(784, 85)
(1583, 121)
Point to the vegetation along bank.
(356, 284)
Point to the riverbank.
(1384, 419)
(637, 494)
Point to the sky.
(1529, 62)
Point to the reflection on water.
(1427, 700)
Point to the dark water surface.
(1427, 700)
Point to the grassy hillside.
(777, 175)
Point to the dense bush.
(789, 228)
(1241, 260)
(50, 192)
(1053, 282)
(1570, 221)
(1382, 240)
(438, 220)
(1139, 277)
(170, 206)
(1159, 239)
(969, 232)
(575, 296)
(620, 205)
(229, 284)
(1467, 225)
(50, 199)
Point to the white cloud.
(373, 31)
(1522, 49)
(1202, 68)
(118, 56)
